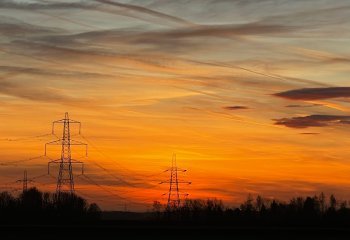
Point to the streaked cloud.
(25, 5)
(144, 10)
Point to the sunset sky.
(252, 95)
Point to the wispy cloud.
(43, 94)
(10, 4)
(144, 10)
(12, 27)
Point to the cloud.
(7, 29)
(156, 37)
(309, 133)
(315, 93)
(37, 6)
(223, 30)
(294, 106)
(235, 107)
(313, 121)
(147, 11)
(182, 39)
(13, 27)
(303, 106)
(129, 10)
(41, 94)
(66, 74)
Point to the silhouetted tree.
(322, 200)
(247, 207)
(157, 208)
(332, 202)
(94, 211)
(35, 206)
(299, 211)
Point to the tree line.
(298, 211)
(33, 206)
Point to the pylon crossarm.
(76, 161)
(180, 170)
(57, 142)
(51, 162)
(184, 182)
(55, 161)
(73, 161)
(176, 169)
(74, 142)
(66, 120)
(75, 122)
(56, 122)
(62, 121)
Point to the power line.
(25, 138)
(14, 163)
(111, 192)
(114, 162)
(133, 173)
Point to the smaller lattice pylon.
(174, 199)
(25, 181)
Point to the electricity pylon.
(174, 193)
(24, 181)
(65, 179)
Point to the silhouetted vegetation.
(299, 211)
(33, 206)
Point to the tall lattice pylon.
(174, 199)
(65, 179)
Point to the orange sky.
(252, 96)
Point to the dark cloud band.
(315, 93)
(236, 107)
(313, 121)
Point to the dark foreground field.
(37, 215)
(147, 230)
